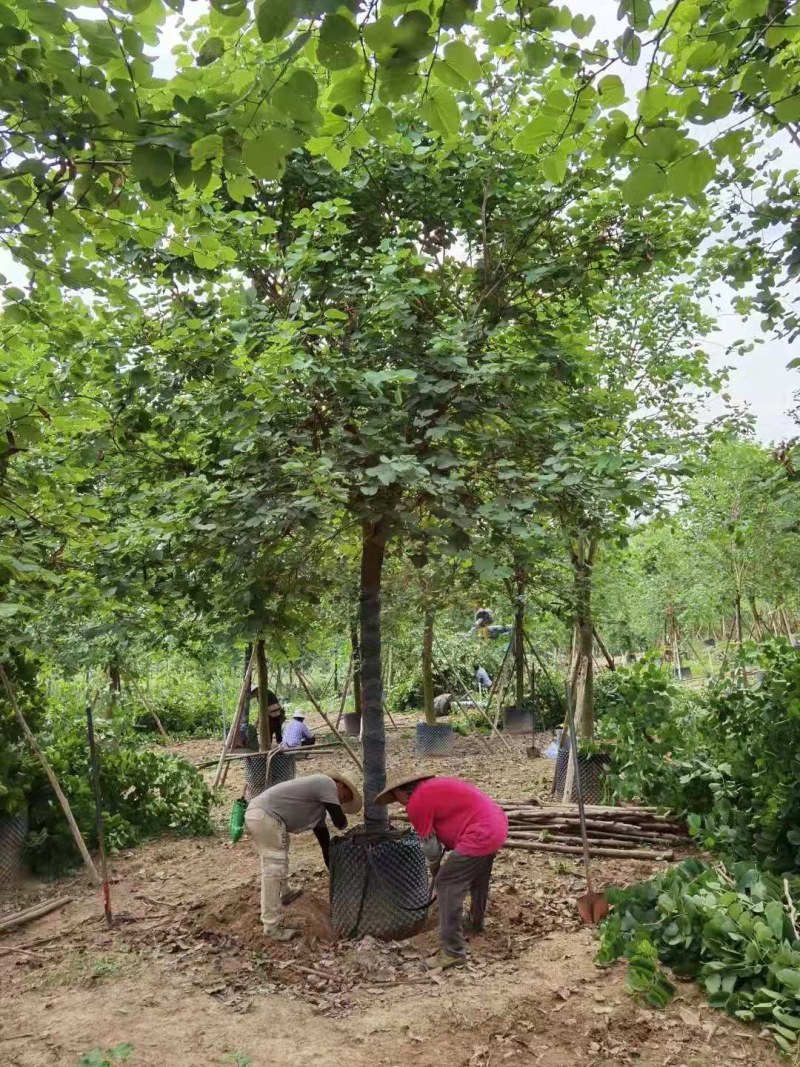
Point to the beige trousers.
(272, 841)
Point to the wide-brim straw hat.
(397, 781)
(349, 807)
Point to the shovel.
(592, 907)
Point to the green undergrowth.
(730, 931)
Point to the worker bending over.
(454, 815)
(291, 808)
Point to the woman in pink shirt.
(455, 816)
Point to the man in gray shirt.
(291, 808)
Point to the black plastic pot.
(379, 883)
(684, 672)
(13, 831)
(592, 769)
(517, 720)
(434, 740)
(352, 724)
(282, 768)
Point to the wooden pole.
(98, 808)
(609, 659)
(230, 739)
(48, 770)
(34, 912)
(310, 696)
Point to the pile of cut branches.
(626, 833)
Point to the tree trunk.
(427, 668)
(264, 735)
(519, 642)
(114, 679)
(356, 665)
(373, 547)
(583, 682)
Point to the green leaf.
(338, 156)
(788, 110)
(152, 163)
(536, 133)
(440, 111)
(335, 45)
(273, 18)
(643, 182)
(297, 97)
(653, 101)
(554, 167)
(239, 188)
(380, 123)
(611, 90)
(462, 58)
(266, 155)
(689, 176)
(582, 26)
(629, 47)
(205, 149)
(210, 52)
(348, 93)
(790, 977)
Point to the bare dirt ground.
(186, 977)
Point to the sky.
(760, 381)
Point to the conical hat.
(350, 807)
(396, 781)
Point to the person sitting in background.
(297, 734)
(482, 678)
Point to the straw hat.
(298, 715)
(350, 807)
(396, 781)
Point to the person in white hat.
(457, 817)
(291, 808)
(296, 734)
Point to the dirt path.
(186, 977)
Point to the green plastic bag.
(236, 824)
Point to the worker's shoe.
(290, 895)
(473, 927)
(282, 933)
(442, 961)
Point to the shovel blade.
(592, 907)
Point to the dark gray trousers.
(458, 876)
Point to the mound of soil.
(235, 914)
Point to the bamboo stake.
(341, 737)
(230, 739)
(36, 911)
(48, 770)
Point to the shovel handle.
(579, 790)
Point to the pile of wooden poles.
(625, 833)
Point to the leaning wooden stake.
(230, 739)
(48, 770)
(310, 696)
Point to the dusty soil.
(186, 977)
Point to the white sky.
(760, 381)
